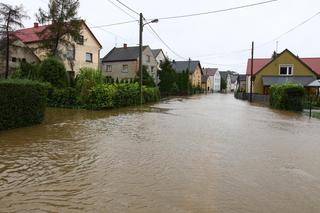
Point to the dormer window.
(286, 69)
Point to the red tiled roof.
(30, 35)
(258, 64)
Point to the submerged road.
(203, 154)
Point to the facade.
(284, 68)
(226, 77)
(160, 57)
(206, 84)
(234, 81)
(215, 78)
(194, 68)
(85, 53)
(19, 52)
(123, 63)
(241, 83)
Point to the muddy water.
(204, 154)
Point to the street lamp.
(140, 52)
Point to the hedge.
(287, 97)
(108, 96)
(66, 98)
(22, 103)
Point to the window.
(109, 68)
(148, 58)
(152, 69)
(286, 70)
(24, 60)
(71, 53)
(125, 68)
(89, 57)
(14, 59)
(80, 40)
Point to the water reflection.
(202, 154)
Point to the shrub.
(86, 80)
(22, 103)
(52, 70)
(66, 97)
(106, 96)
(27, 71)
(287, 97)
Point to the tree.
(65, 26)
(147, 80)
(52, 70)
(10, 18)
(167, 77)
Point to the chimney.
(173, 61)
(125, 45)
(36, 24)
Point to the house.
(284, 68)
(234, 81)
(226, 77)
(215, 78)
(241, 83)
(206, 84)
(194, 68)
(123, 63)
(19, 52)
(160, 57)
(85, 53)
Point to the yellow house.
(284, 68)
(194, 68)
(84, 53)
(206, 84)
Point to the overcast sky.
(213, 39)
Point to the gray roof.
(234, 78)
(123, 54)
(315, 83)
(242, 77)
(204, 78)
(180, 66)
(210, 71)
(156, 52)
(271, 80)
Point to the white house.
(160, 57)
(215, 78)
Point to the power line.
(289, 31)
(121, 9)
(115, 24)
(217, 11)
(129, 8)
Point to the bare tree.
(10, 18)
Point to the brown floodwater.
(203, 154)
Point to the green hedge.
(22, 103)
(62, 97)
(108, 96)
(287, 97)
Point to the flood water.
(204, 154)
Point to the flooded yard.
(203, 154)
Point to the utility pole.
(140, 58)
(188, 71)
(8, 45)
(251, 76)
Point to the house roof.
(210, 71)
(234, 78)
(259, 63)
(271, 80)
(242, 77)
(180, 66)
(123, 54)
(224, 75)
(204, 78)
(156, 52)
(37, 34)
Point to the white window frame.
(125, 70)
(109, 68)
(287, 66)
